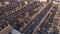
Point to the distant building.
(6, 30)
(43, 0)
(56, 1)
